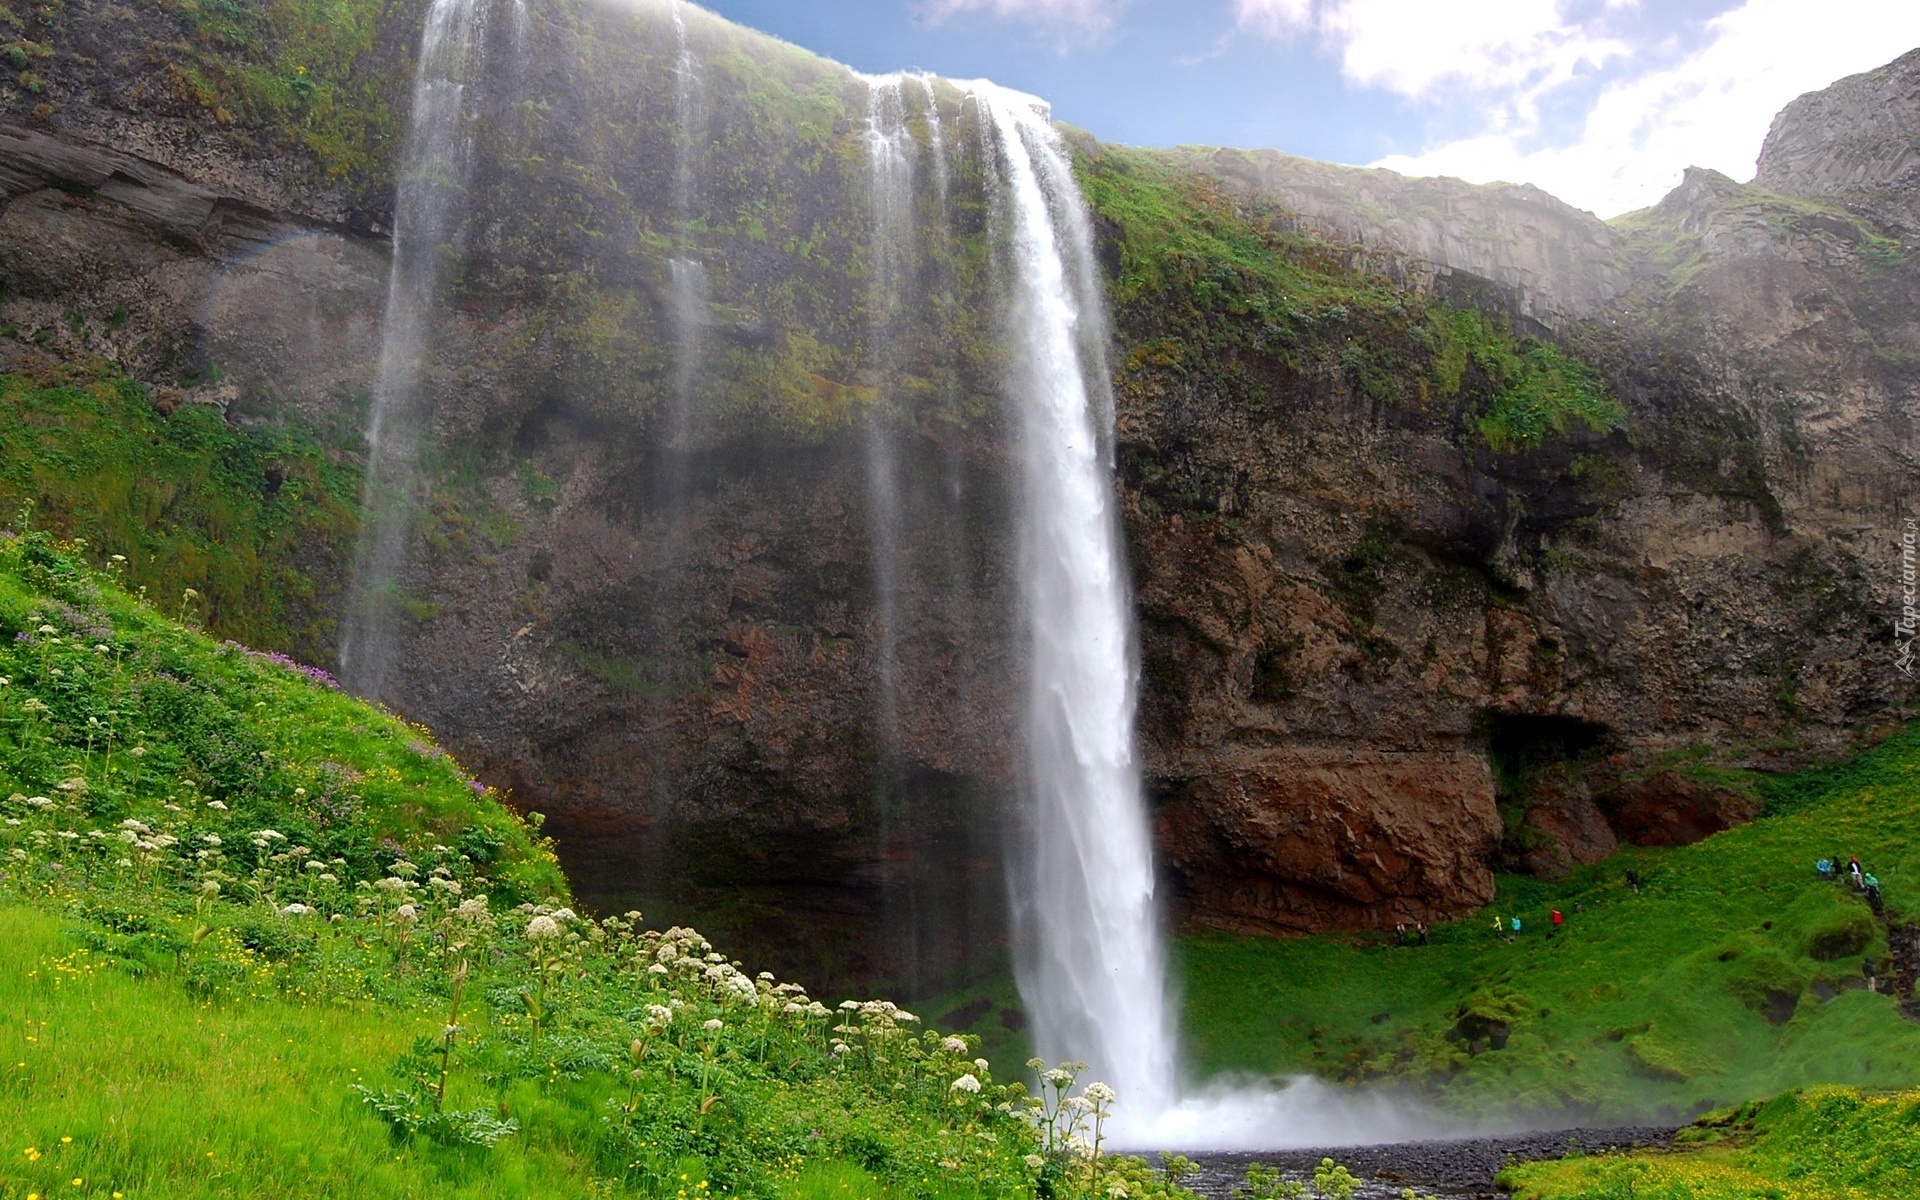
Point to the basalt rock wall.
(1380, 653)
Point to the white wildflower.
(406, 914)
(954, 1045)
(713, 1025)
(542, 928)
(295, 910)
(217, 804)
(966, 1083)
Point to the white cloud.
(1654, 116)
(1414, 46)
(1069, 22)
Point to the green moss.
(258, 522)
(1208, 286)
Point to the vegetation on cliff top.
(1732, 971)
(322, 77)
(1206, 288)
(259, 936)
(258, 521)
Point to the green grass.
(1824, 1144)
(258, 522)
(1647, 1004)
(164, 1093)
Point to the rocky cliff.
(1466, 528)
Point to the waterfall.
(688, 308)
(1090, 964)
(429, 207)
(936, 142)
(890, 167)
(687, 115)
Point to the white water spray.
(1090, 964)
(429, 204)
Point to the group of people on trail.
(1511, 927)
(1410, 935)
(1851, 871)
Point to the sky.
(1601, 102)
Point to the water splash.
(1090, 963)
(429, 209)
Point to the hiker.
(1825, 867)
(1558, 921)
(1873, 979)
(1420, 931)
(1516, 924)
(1633, 878)
(1874, 901)
(1499, 926)
(1853, 869)
(1400, 934)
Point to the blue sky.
(1602, 102)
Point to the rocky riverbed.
(1463, 1167)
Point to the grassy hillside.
(1732, 972)
(1825, 1144)
(259, 938)
(258, 522)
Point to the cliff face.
(1397, 619)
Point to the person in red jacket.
(1558, 920)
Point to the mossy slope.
(258, 521)
(1823, 1144)
(1732, 972)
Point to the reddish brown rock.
(1574, 833)
(1668, 809)
(1290, 841)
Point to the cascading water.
(1090, 962)
(891, 153)
(689, 295)
(429, 207)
